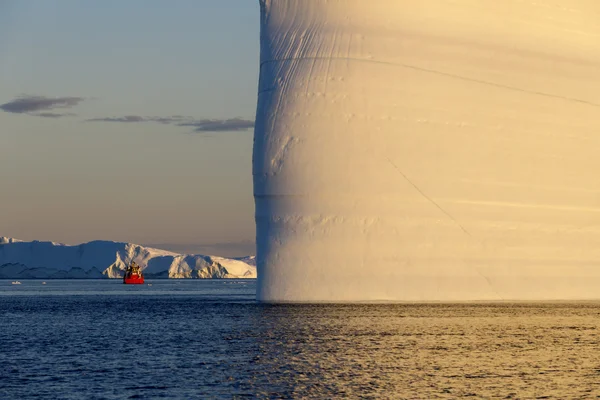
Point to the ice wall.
(428, 150)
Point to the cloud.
(40, 106)
(136, 118)
(53, 115)
(199, 125)
(32, 104)
(220, 125)
(127, 118)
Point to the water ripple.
(217, 343)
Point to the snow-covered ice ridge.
(428, 150)
(106, 259)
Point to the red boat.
(133, 275)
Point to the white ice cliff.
(98, 259)
(428, 150)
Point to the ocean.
(209, 339)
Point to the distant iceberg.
(106, 259)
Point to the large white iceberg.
(428, 150)
(106, 259)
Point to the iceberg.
(106, 259)
(428, 151)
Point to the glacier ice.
(99, 259)
(436, 150)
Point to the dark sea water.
(200, 339)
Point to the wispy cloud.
(42, 106)
(32, 105)
(199, 125)
(53, 115)
(127, 118)
(220, 125)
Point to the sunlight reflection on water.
(210, 339)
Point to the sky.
(129, 121)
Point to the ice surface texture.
(436, 150)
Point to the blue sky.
(129, 121)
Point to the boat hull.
(133, 280)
